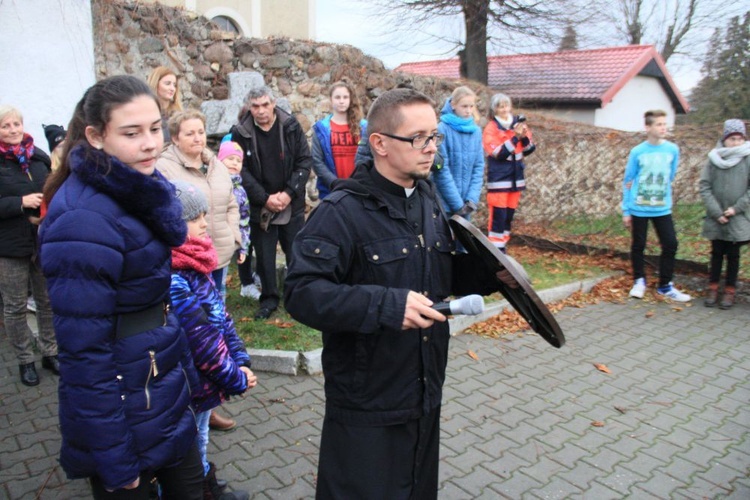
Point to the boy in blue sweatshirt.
(647, 195)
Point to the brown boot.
(220, 423)
(727, 301)
(712, 295)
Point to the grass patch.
(281, 332)
(610, 233)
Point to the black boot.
(28, 374)
(51, 363)
(212, 490)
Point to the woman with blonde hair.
(163, 81)
(459, 178)
(336, 137)
(23, 170)
(188, 159)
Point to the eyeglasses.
(418, 141)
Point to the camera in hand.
(520, 118)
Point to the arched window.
(226, 24)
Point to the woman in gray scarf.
(725, 189)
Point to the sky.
(353, 22)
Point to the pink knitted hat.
(229, 148)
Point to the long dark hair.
(95, 110)
(354, 113)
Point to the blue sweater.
(650, 170)
(460, 178)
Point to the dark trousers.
(665, 232)
(183, 481)
(397, 462)
(245, 270)
(720, 248)
(264, 244)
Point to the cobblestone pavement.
(517, 423)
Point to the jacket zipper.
(153, 370)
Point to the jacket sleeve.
(235, 344)
(477, 173)
(444, 181)
(256, 195)
(86, 264)
(319, 163)
(297, 182)
(742, 204)
(528, 145)
(211, 354)
(233, 217)
(713, 207)
(497, 143)
(631, 172)
(364, 154)
(322, 255)
(11, 206)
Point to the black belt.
(129, 324)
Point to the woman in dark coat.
(23, 170)
(105, 249)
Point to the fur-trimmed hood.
(149, 198)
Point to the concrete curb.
(309, 363)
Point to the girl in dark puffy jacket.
(218, 353)
(124, 394)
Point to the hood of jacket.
(150, 198)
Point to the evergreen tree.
(569, 40)
(724, 90)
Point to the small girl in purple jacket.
(218, 353)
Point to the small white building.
(609, 87)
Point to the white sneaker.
(250, 291)
(639, 288)
(672, 293)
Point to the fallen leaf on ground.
(650, 314)
(602, 368)
(621, 409)
(597, 423)
(677, 309)
(280, 324)
(473, 355)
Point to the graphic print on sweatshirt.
(653, 178)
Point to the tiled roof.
(574, 76)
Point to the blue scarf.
(463, 125)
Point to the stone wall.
(577, 169)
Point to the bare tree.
(670, 25)
(505, 24)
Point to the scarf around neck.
(729, 157)
(196, 254)
(21, 152)
(464, 125)
(149, 198)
